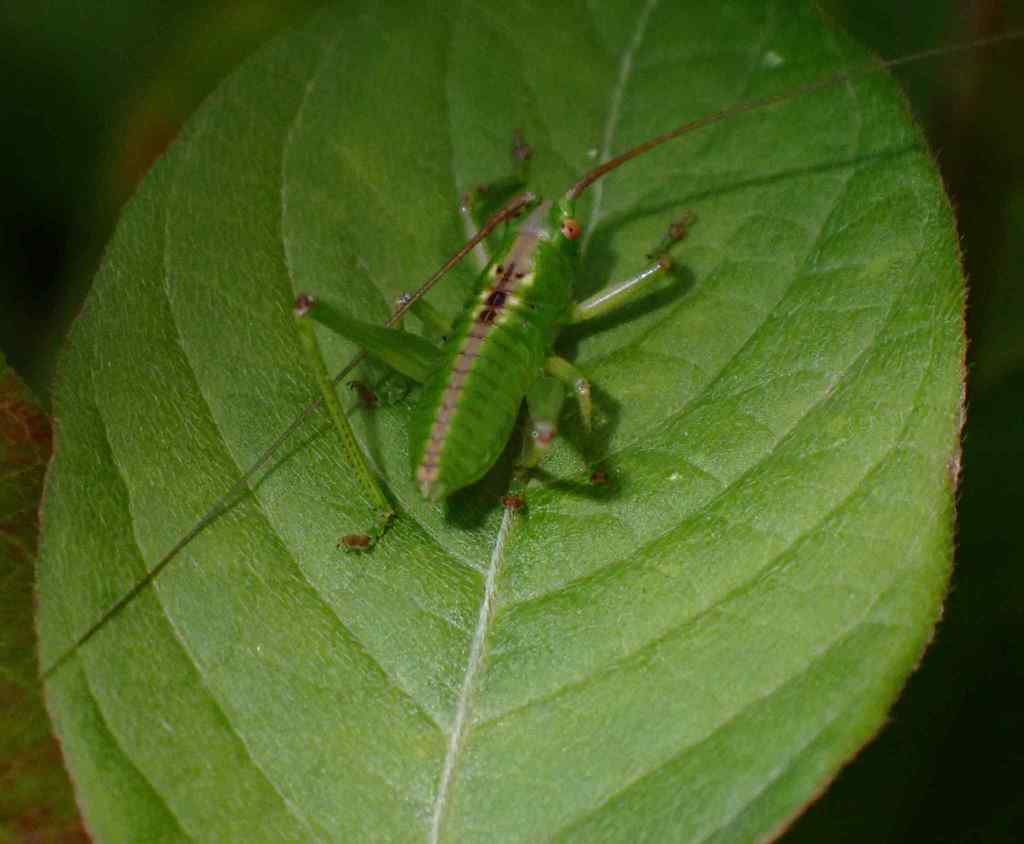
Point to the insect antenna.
(222, 504)
(776, 99)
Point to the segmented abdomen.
(468, 409)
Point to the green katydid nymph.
(498, 353)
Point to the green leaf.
(688, 652)
(35, 796)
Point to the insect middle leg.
(574, 380)
(544, 402)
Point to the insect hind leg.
(384, 513)
(434, 322)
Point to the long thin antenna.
(766, 102)
(220, 506)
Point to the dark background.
(93, 92)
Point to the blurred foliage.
(96, 91)
(94, 94)
(36, 803)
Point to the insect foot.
(676, 232)
(515, 503)
(367, 397)
(355, 542)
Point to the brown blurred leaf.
(36, 801)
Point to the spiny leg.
(409, 354)
(616, 296)
(367, 397)
(353, 452)
(578, 383)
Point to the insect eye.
(571, 229)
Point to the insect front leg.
(616, 296)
